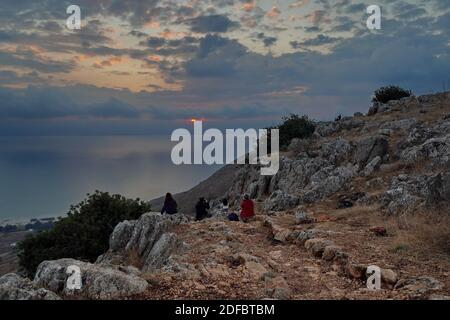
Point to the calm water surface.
(43, 176)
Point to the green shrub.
(83, 234)
(385, 94)
(294, 126)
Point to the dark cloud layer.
(212, 23)
(52, 103)
(327, 64)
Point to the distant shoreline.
(32, 224)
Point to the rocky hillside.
(365, 190)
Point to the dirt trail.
(235, 260)
(218, 249)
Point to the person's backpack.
(233, 217)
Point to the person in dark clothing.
(225, 206)
(233, 217)
(170, 205)
(201, 209)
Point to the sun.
(194, 120)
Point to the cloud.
(222, 112)
(319, 41)
(112, 108)
(91, 36)
(441, 4)
(295, 44)
(212, 23)
(249, 5)
(155, 42)
(138, 34)
(267, 40)
(209, 60)
(348, 74)
(136, 12)
(9, 77)
(214, 43)
(273, 13)
(26, 57)
(50, 26)
(317, 17)
(299, 4)
(211, 68)
(356, 8)
(53, 103)
(107, 63)
(165, 47)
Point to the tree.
(295, 126)
(385, 94)
(83, 234)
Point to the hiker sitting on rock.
(247, 209)
(226, 211)
(170, 205)
(201, 209)
(225, 206)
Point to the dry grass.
(134, 260)
(393, 169)
(426, 234)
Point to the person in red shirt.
(247, 209)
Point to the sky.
(146, 67)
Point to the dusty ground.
(214, 245)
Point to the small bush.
(294, 126)
(385, 94)
(83, 234)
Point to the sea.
(41, 176)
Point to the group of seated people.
(201, 208)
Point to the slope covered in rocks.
(365, 190)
